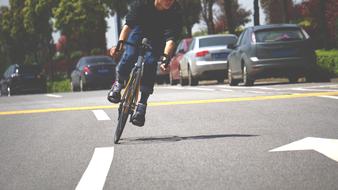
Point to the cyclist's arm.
(124, 33)
(169, 48)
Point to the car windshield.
(99, 60)
(216, 41)
(275, 35)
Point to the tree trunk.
(256, 13)
(286, 11)
(323, 25)
(189, 30)
(211, 25)
(228, 12)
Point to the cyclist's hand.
(164, 61)
(116, 52)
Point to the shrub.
(60, 84)
(328, 60)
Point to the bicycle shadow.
(168, 139)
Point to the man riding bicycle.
(159, 21)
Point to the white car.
(206, 59)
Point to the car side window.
(246, 38)
(192, 45)
(240, 38)
(179, 47)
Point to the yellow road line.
(239, 99)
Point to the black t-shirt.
(156, 25)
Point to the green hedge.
(59, 84)
(328, 60)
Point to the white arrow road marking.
(53, 96)
(96, 173)
(327, 147)
(101, 115)
(332, 97)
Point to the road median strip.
(236, 99)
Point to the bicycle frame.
(131, 94)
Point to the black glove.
(165, 59)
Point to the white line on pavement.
(310, 89)
(332, 97)
(53, 96)
(96, 173)
(101, 115)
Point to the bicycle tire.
(123, 116)
(124, 108)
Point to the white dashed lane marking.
(332, 97)
(53, 96)
(101, 115)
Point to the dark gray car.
(282, 50)
(93, 72)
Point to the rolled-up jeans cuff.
(147, 89)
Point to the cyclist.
(159, 21)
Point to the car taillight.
(253, 38)
(202, 53)
(86, 70)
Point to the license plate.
(218, 56)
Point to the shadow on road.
(164, 139)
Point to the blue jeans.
(130, 56)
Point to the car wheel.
(293, 79)
(232, 81)
(183, 82)
(192, 81)
(220, 80)
(246, 78)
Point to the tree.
(36, 21)
(228, 11)
(191, 10)
(118, 8)
(5, 39)
(207, 15)
(318, 17)
(256, 12)
(83, 23)
(239, 16)
(277, 11)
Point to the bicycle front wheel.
(123, 116)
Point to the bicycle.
(131, 93)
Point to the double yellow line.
(239, 99)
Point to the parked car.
(23, 79)
(282, 50)
(206, 59)
(92, 72)
(174, 71)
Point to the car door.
(235, 57)
(244, 51)
(184, 63)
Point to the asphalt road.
(205, 137)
